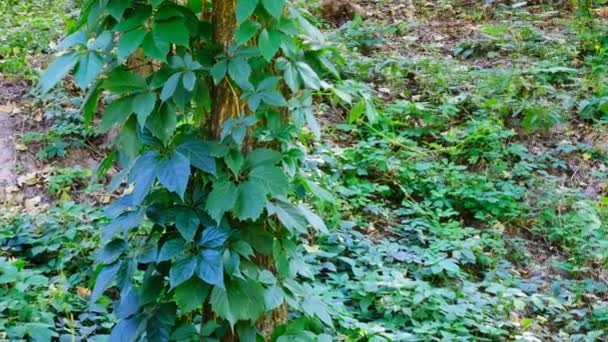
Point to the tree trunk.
(225, 98)
(226, 105)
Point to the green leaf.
(218, 71)
(289, 215)
(245, 8)
(170, 86)
(181, 271)
(128, 140)
(130, 42)
(125, 221)
(160, 324)
(103, 281)
(129, 303)
(199, 154)
(309, 76)
(143, 174)
(356, 112)
(90, 103)
(273, 98)
(173, 173)
(292, 77)
(274, 179)
(189, 80)
(273, 297)
(128, 329)
(211, 268)
(221, 199)
(312, 123)
(187, 223)
(240, 71)
(112, 251)
(117, 8)
(163, 122)
(89, 67)
(57, 71)
(191, 295)
(121, 81)
(171, 249)
(240, 300)
(235, 161)
(214, 237)
(274, 7)
(269, 43)
(263, 157)
(246, 31)
(155, 46)
(143, 106)
(250, 201)
(315, 221)
(314, 306)
(174, 31)
(116, 112)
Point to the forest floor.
(465, 149)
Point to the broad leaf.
(240, 300)
(221, 199)
(104, 280)
(160, 324)
(89, 66)
(214, 237)
(57, 71)
(274, 7)
(173, 173)
(187, 223)
(245, 8)
(211, 268)
(199, 154)
(143, 105)
(181, 271)
(116, 112)
(130, 42)
(171, 249)
(274, 179)
(191, 295)
(251, 200)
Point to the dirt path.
(8, 157)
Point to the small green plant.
(61, 182)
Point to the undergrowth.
(465, 194)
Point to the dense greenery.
(461, 193)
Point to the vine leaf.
(191, 295)
(245, 8)
(181, 271)
(171, 249)
(103, 281)
(130, 42)
(173, 173)
(274, 7)
(57, 71)
(250, 201)
(211, 268)
(214, 237)
(199, 154)
(187, 222)
(240, 300)
(221, 199)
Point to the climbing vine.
(211, 101)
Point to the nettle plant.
(211, 100)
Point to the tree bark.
(225, 98)
(226, 105)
